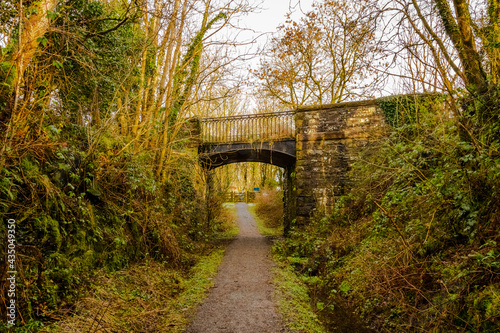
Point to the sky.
(265, 21)
(273, 14)
(258, 27)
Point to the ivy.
(187, 71)
(402, 110)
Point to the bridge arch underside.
(281, 153)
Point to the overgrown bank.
(145, 297)
(94, 169)
(415, 245)
(79, 213)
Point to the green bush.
(414, 245)
(76, 213)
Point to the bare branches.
(327, 57)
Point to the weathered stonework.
(327, 140)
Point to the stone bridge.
(315, 145)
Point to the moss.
(50, 231)
(293, 301)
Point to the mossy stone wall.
(328, 138)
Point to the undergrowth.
(269, 207)
(83, 204)
(263, 227)
(415, 245)
(228, 222)
(146, 297)
(94, 164)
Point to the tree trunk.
(460, 33)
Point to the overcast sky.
(265, 21)
(261, 24)
(273, 14)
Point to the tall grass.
(269, 207)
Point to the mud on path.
(241, 299)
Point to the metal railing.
(249, 128)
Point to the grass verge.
(293, 300)
(265, 231)
(146, 297)
(229, 222)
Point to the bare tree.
(457, 41)
(327, 57)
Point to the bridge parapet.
(260, 127)
(316, 145)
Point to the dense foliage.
(415, 245)
(75, 212)
(80, 151)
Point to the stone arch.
(281, 154)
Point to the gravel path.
(241, 299)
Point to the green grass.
(196, 288)
(146, 297)
(265, 231)
(293, 300)
(229, 222)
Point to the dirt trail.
(241, 299)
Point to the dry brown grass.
(269, 207)
(147, 297)
(133, 300)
